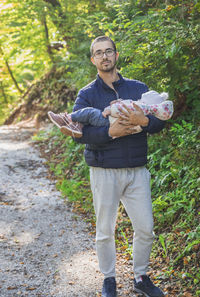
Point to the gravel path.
(44, 249)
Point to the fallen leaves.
(186, 294)
(12, 288)
(31, 288)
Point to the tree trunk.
(10, 71)
(13, 78)
(48, 45)
(61, 17)
(54, 3)
(3, 92)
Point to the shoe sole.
(70, 132)
(105, 295)
(141, 292)
(65, 130)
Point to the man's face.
(105, 63)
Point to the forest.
(45, 60)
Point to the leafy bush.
(175, 174)
(173, 163)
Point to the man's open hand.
(118, 130)
(130, 117)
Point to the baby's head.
(153, 97)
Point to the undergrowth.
(175, 181)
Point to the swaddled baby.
(151, 103)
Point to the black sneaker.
(147, 288)
(109, 287)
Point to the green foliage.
(66, 162)
(158, 43)
(173, 163)
(124, 243)
(161, 49)
(175, 183)
(74, 175)
(162, 241)
(22, 42)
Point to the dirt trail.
(44, 249)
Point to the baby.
(151, 103)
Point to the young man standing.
(117, 167)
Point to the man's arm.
(154, 126)
(91, 134)
(118, 130)
(149, 123)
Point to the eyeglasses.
(109, 53)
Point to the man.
(117, 167)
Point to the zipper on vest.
(113, 89)
(117, 95)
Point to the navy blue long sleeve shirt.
(101, 150)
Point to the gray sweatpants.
(132, 187)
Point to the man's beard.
(110, 68)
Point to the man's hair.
(99, 39)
